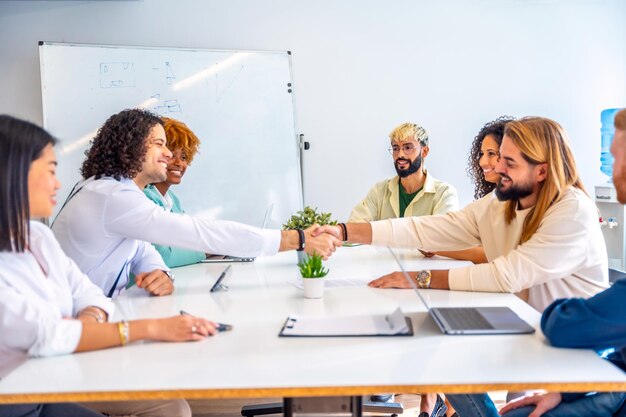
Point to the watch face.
(423, 278)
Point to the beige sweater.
(566, 257)
(383, 201)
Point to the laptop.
(227, 258)
(471, 320)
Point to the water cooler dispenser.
(612, 213)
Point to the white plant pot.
(313, 287)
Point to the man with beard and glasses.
(414, 191)
(540, 231)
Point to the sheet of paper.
(355, 281)
(363, 325)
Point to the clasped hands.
(322, 240)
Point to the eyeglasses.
(407, 148)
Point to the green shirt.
(405, 198)
(172, 256)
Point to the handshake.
(323, 240)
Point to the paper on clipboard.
(393, 324)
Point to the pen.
(218, 284)
(224, 273)
(221, 327)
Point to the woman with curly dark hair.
(484, 155)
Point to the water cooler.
(612, 217)
(612, 222)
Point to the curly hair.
(179, 136)
(119, 148)
(482, 187)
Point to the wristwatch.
(423, 278)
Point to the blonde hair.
(407, 131)
(620, 119)
(543, 141)
(179, 136)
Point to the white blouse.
(39, 290)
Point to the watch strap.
(301, 242)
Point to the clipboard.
(385, 325)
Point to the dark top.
(595, 323)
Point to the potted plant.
(313, 272)
(306, 218)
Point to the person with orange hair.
(183, 144)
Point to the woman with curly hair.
(183, 144)
(484, 156)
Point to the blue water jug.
(607, 131)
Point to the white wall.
(362, 67)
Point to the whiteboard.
(239, 103)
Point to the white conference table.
(251, 361)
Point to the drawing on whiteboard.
(225, 85)
(163, 107)
(117, 74)
(169, 73)
(205, 73)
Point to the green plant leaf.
(306, 218)
(312, 267)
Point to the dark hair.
(21, 143)
(119, 148)
(495, 128)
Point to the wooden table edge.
(226, 393)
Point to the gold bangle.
(124, 331)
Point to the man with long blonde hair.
(595, 323)
(540, 231)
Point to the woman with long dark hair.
(47, 305)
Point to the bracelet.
(301, 242)
(124, 330)
(344, 231)
(93, 314)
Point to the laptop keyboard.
(464, 318)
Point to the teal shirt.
(172, 256)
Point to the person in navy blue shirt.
(596, 323)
